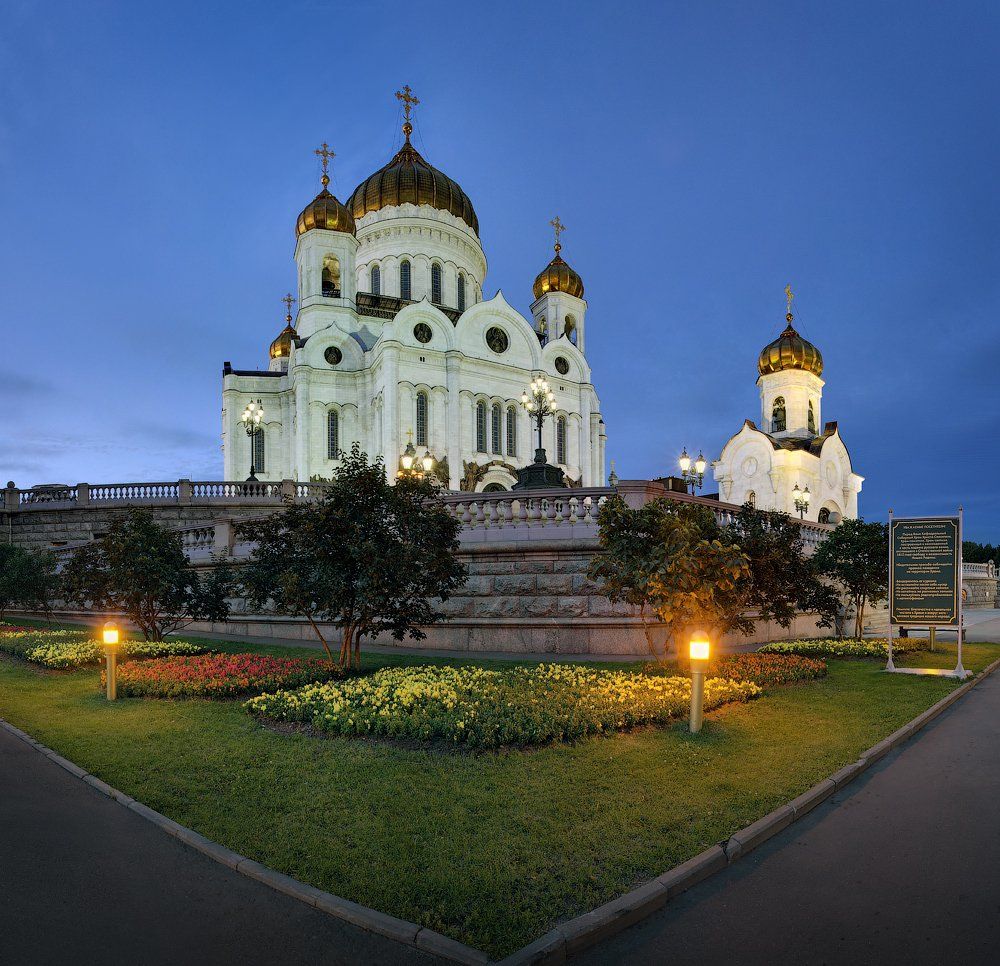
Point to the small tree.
(139, 568)
(369, 557)
(27, 579)
(856, 557)
(670, 560)
(782, 582)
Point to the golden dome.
(790, 351)
(557, 276)
(281, 348)
(409, 180)
(325, 211)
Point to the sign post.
(925, 580)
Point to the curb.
(566, 940)
(371, 920)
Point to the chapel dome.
(281, 348)
(326, 212)
(557, 276)
(790, 351)
(409, 180)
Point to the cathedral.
(787, 463)
(394, 347)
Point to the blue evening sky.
(154, 156)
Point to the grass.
(491, 848)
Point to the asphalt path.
(84, 880)
(902, 867)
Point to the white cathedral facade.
(787, 458)
(393, 343)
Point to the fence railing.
(986, 571)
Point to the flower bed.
(218, 676)
(72, 649)
(851, 647)
(551, 702)
(765, 670)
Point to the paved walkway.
(85, 881)
(903, 867)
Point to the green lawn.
(490, 848)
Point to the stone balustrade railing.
(987, 571)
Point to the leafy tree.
(670, 560)
(856, 557)
(369, 557)
(973, 552)
(27, 579)
(782, 581)
(139, 568)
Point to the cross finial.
(789, 297)
(325, 153)
(406, 96)
(558, 227)
(289, 302)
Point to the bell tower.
(559, 309)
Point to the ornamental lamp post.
(693, 477)
(699, 650)
(801, 499)
(412, 467)
(252, 418)
(539, 400)
(110, 636)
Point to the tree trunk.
(322, 639)
(859, 617)
(345, 645)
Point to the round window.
(333, 355)
(562, 365)
(422, 332)
(497, 339)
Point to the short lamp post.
(801, 500)
(252, 417)
(699, 661)
(110, 637)
(694, 475)
(413, 467)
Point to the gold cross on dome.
(289, 302)
(559, 228)
(789, 298)
(325, 153)
(406, 96)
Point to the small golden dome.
(409, 180)
(325, 211)
(790, 351)
(557, 276)
(281, 348)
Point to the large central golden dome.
(409, 180)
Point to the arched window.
(333, 435)
(778, 415)
(812, 418)
(511, 431)
(751, 498)
(494, 488)
(436, 284)
(404, 280)
(480, 427)
(461, 292)
(561, 440)
(570, 329)
(258, 450)
(376, 283)
(421, 418)
(331, 276)
(495, 428)
(824, 515)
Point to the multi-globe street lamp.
(538, 400)
(693, 477)
(252, 417)
(801, 500)
(412, 467)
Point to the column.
(390, 410)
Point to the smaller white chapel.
(394, 345)
(787, 459)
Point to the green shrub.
(516, 706)
(71, 649)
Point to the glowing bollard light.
(699, 659)
(111, 637)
